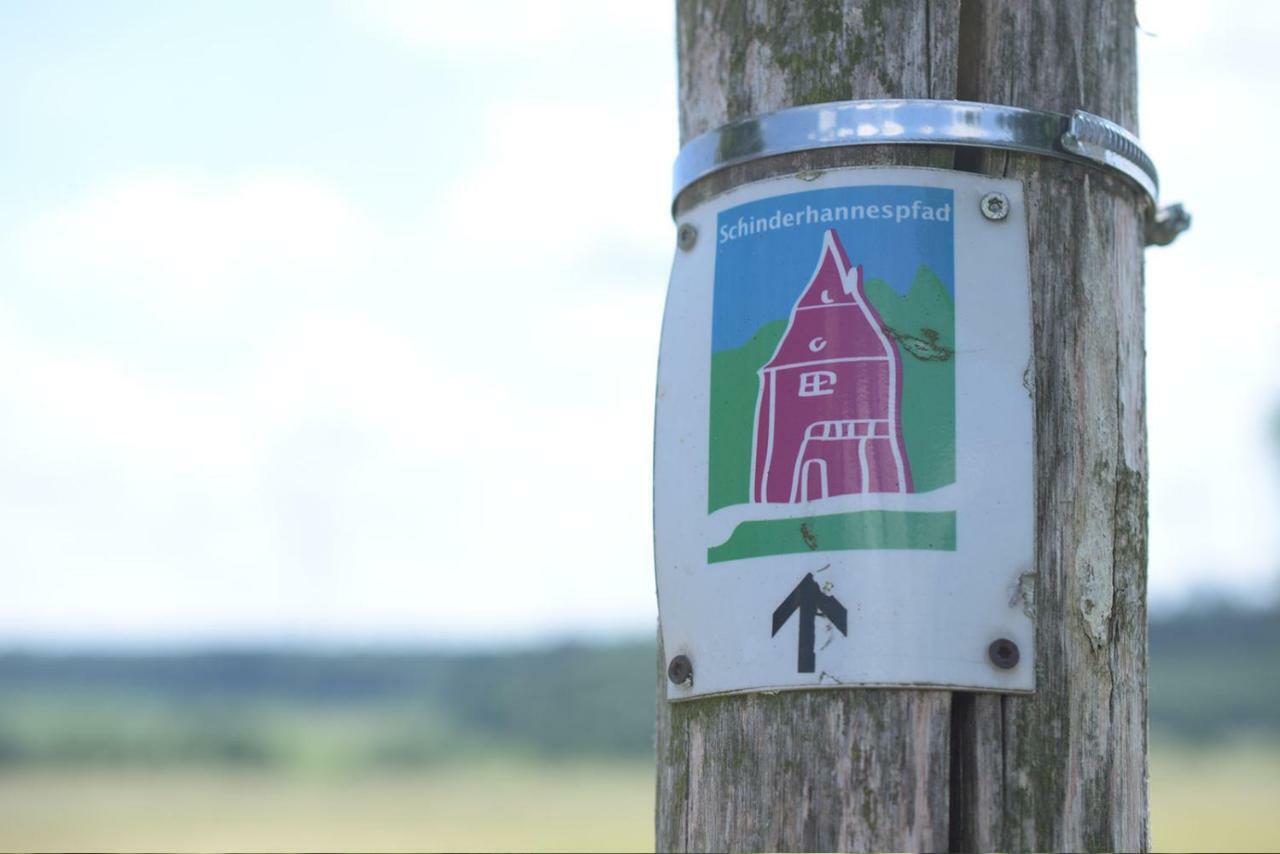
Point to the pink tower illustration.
(828, 416)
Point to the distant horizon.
(315, 642)
(1206, 599)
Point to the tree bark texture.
(873, 769)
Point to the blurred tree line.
(1213, 676)
(327, 710)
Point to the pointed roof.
(831, 281)
(832, 318)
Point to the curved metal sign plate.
(843, 473)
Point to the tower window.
(816, 383)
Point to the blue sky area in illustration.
(887, 249)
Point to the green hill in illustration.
(923, 323)
(734, 387)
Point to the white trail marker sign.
(844, 421)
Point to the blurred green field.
(535, 749)
(1223, 797)
(1202, 799)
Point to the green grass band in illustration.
(866, 529)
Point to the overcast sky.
(338, 322)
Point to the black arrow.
(811, 601)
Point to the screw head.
(686, 236)
(680, 670)
(995, 206)
(1004, 653)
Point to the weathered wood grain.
(740, 57)
(804, 771)
(1064, 769)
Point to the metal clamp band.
(1081, 137)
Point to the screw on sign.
(995, 206)
(680, 670)
(1004, 653)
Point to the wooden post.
(1065, 769)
